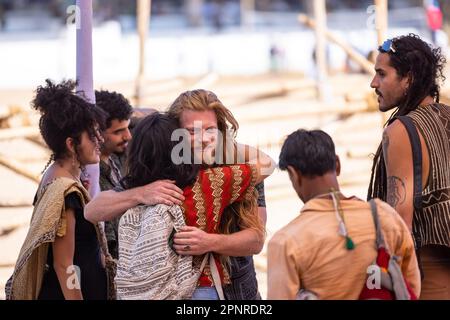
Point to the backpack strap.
(393, 280)
(417, 167)
(209, 258)
(216, 276)
(417, 159)
(204, 261)
(376, 220)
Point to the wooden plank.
(349, 109)
(18, 168)
(19, 132)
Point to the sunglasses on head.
(387, 46)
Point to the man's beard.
(121, 148)
(209, 155)
(205, 156)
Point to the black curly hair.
(310, 152)
(424, 65)
(114, 104)
(149, 154)
(64, 114)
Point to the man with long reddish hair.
(207, 120)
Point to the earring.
(74, 164)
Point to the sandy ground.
(267, 108)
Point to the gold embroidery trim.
(199, 205)
(216, 178)
(237, 181)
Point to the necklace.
(342, 228)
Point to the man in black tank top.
(411, 169)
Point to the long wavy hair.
(243, 214)
(424, 66)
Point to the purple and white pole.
(85, 74)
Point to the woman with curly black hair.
(62, 257)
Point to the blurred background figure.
(434, 17)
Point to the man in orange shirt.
(328, 248)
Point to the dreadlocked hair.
(424, 65)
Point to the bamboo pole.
(381, 21)
(143, 17)
(352, 53)
(85, 75)
(247, 13)
(84, 50)
(193, 9)
(321, 58)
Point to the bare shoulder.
(396, 131)
(396, 143)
